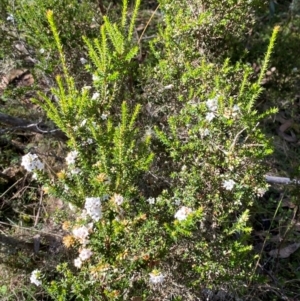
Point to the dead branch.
(25, 125)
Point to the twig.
(280, 180)
(30, 229)
(148, 23)
(21, 124)
(102, 8)
(4, 193)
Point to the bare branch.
(25, 125)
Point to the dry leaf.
(285, 252)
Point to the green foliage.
(198, 95)
(215, 152)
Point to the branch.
(280, 180)
(25, 125)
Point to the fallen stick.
(280, 180)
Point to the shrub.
(193, 235)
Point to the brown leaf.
(285, 252)
(15, 74)
(26, 80)
(287, 124)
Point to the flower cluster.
(228, 184)
(34, 278)
(151, 201)
(212, 106)
(31, 162)
(183, 213)
(82, 233)
(93, 208)
(71, 157)
(84, 254)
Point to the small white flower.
(156, 277)
(78, 263)
(118, 199)
(96, 78)
(235, 108)
(71, 157)
(34, 278)
(212, 104)
(169, 87)
(10, 18)
(104, 116)
(204, 132)
(151, 201)
(83, 122)
(86, 87)
(210, 116)
(228, 184)
(85, 254)
(75, 171)
(42, 51)
(89, 141)
(95, 96)
(31, 162)
(183, 213)
(83, 61)
(93, 208)
(81, 234)
(177, 202)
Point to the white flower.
(118, 199)
(83, 60)
(156, 277)
(71, 157)
(151, 201)
(204, 132)
(42, 50)
(95, 96)
(34, 278)
(88, 141)
(85, 254)
(177, 202)
(86, 88)
(81, 234)
(93, 208)
(83, 122)
(31, 162)
(210, 116)
(96, 78)
(228, 184)
(10, 18)
(182, 213)
(212, 104)
(235, 108)
(75, 171)
(104, 116)
(78, 263)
